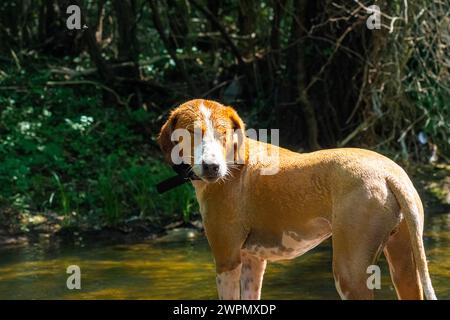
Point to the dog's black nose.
(210, 169)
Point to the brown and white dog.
(365, 201)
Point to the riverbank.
(17, 229)
(48, 228)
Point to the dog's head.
(205, 135)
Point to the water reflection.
(185, 271)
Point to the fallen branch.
(362, 127)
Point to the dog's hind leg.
(398, 252)
(351, 265)
(252, 274)
(359, 235)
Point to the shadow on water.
(185, 270)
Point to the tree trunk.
(178, 23)
(47, 24)
(128, 49)
(309, 113)
(126, 26)
(246, 24)
(100, 21)
(278, 11)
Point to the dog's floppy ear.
(164, 138)
(238, 136)
(236, 120)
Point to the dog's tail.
(410, 210)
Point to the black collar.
(184, 174)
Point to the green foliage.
(62, 151)
(436, 108)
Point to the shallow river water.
(185, 270)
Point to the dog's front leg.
(251, 277)
(228, 284)
(225, 236)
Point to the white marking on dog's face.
(209, 152)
